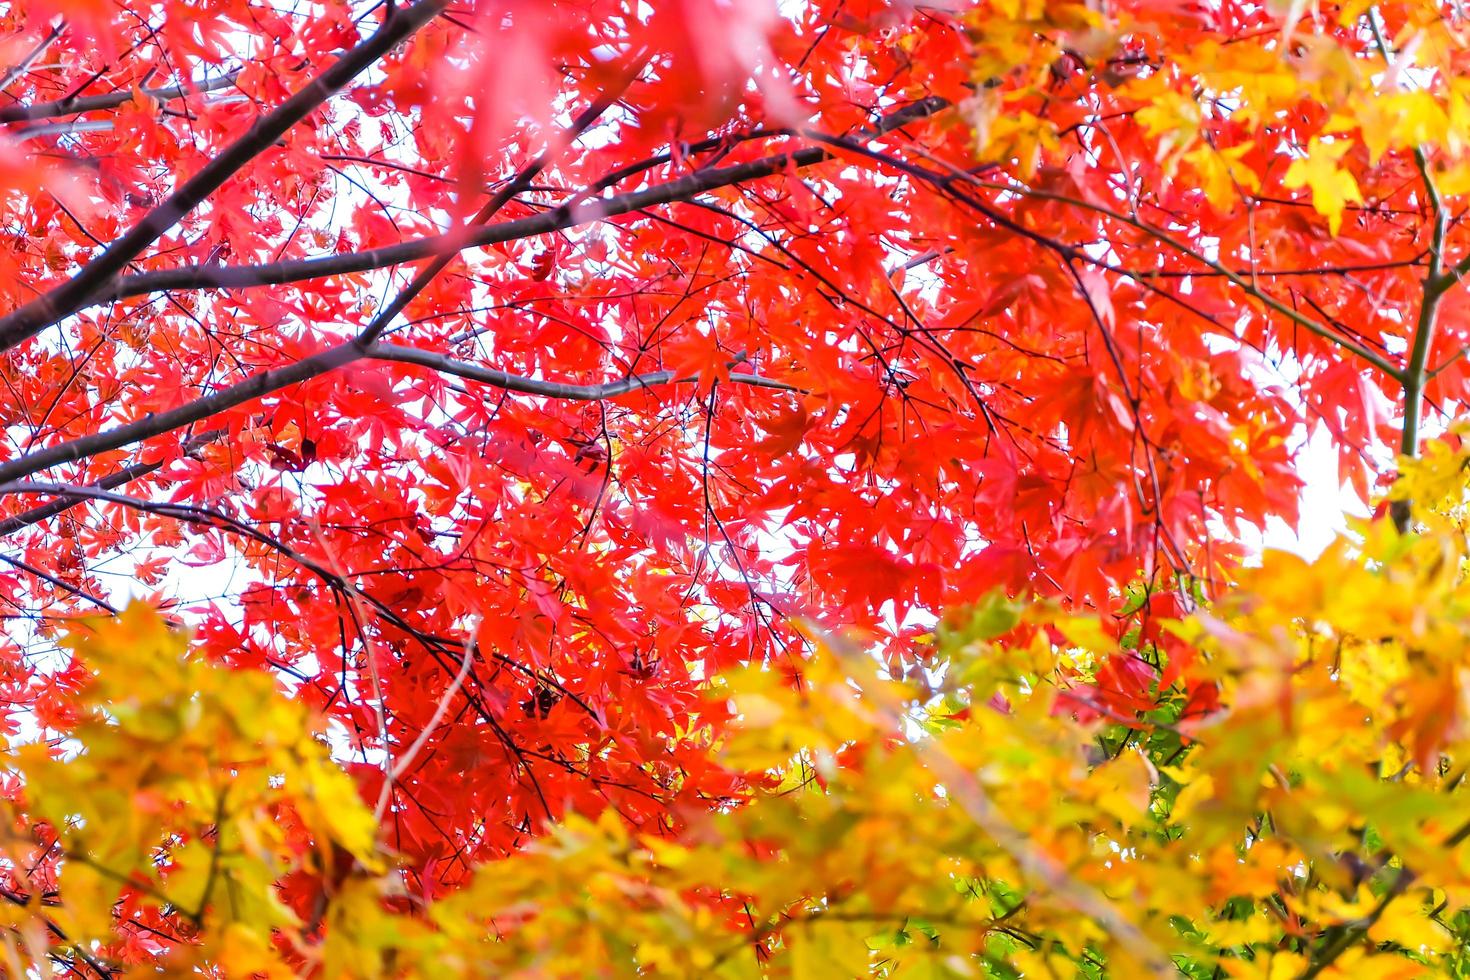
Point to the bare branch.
(24, 65)
(157, 423)
(498, 200)
(111, 100)
(275, 379)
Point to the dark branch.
(152, 424)
(498, 200)
(266, 382)
(112, 481)
(95, 103)
(76, 292)
(550, 389)
(275, 379)
(556, 219)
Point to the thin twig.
(406, 759)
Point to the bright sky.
(1325, 504)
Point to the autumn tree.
(518, 369)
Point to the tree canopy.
(712, 487)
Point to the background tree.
(531, 363)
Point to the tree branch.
(46, 576)
(76, 292)
(275, 379)
(551, 389)
(24, 65)
(1352, 932)
(1070, 252)
(557, 219)
(111, 100)
(1240, 282)
(1415, 374)
(112, 481)
(157, 423)
(498, 200)
(437, 647)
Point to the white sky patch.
(1326, 504)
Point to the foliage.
(493, 377)
(1304, 817)
(1002, 813)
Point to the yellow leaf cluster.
(181, 782)
(1313, 825)
(1402, 93)
(993, 815)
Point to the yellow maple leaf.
(1221, 175)
(1332, 186)
(1409, 925)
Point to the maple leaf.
(1018, 295)
(1333, 187)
